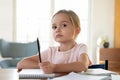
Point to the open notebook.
(76, 76)
(98, 72)
(90, 74)
(115, 77)
(34, 74)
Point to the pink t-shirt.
(53, 55)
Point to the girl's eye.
(64, 25)
(54, 27)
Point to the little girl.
(68, 56)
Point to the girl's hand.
(47, 67)
(18, 70)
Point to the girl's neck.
(66, 46)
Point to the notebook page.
(76, 76)
(34, 74)
(99, 72)
(115, 77)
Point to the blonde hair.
(72, 16)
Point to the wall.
(101, 22)
(6, 19)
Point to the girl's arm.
(82, 65)
(27, 63)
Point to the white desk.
(9, 74)
(12, 74)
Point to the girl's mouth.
(59, 35)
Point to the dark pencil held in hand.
(39, 49)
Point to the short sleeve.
(82, 48)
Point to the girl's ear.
(78, 30)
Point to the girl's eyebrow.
(65, 21)
(62, 22)
(68, 22)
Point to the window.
(33, 19)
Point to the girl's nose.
(58, 29)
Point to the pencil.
(39, 49)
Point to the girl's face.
(63, 30)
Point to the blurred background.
(25, 20)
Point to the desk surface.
(12, 74)
(9, 74)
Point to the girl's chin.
(57, 40)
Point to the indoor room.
(24, 23)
